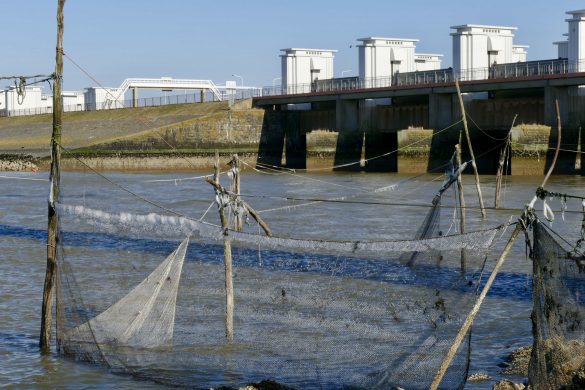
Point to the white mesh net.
(308, 313)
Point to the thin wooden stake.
(227, 249)
(501, 164)
(462, 211)
(227, 253)
(481, 205)
(52, 228)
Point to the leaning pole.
(52, 239)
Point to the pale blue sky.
(116, 39)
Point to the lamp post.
(240, 77)
(274, 84)
(345, 71)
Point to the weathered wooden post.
(52, 238)
(225, 197)
(235, 188)
(464, 117)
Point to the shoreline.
(204, 161)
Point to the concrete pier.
(367, 121)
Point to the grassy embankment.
(192, 129)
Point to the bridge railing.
(434, 77)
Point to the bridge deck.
(489, 85)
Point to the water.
(502, 325)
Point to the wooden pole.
(52, 228)
(481, 205)
(501, 164)
(227, 253)
(227, 249)
(235, 163)
(467, 324)
(462, 211)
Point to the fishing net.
(558, 316)
(137, 295)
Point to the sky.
(117, 39)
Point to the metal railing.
(433, 77)
(186, 98)
(166, 83)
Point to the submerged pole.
(52, 232)
(464, 117)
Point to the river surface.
(502, 325)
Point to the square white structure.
(97, 98)
(562, 49)
(29, 103)
(381, 58)
(576, 42)
(477, 47)
(426, 62)
(300, 67)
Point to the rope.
(206, 211)
(88, 75)
(543, 194)
(321, 181)
(181, 179)
(179, 154)
(261, 171)
(550, 148)
(371, 158)
(483, 131)
(132, 193)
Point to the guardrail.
(433, 77)
(186, 98)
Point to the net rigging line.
(381, 189)
(339, 199)
(293, 172)
(548, 148)
(371, 158)
(164, 208)
(121, 187)
(483, 131)
(178, 180)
